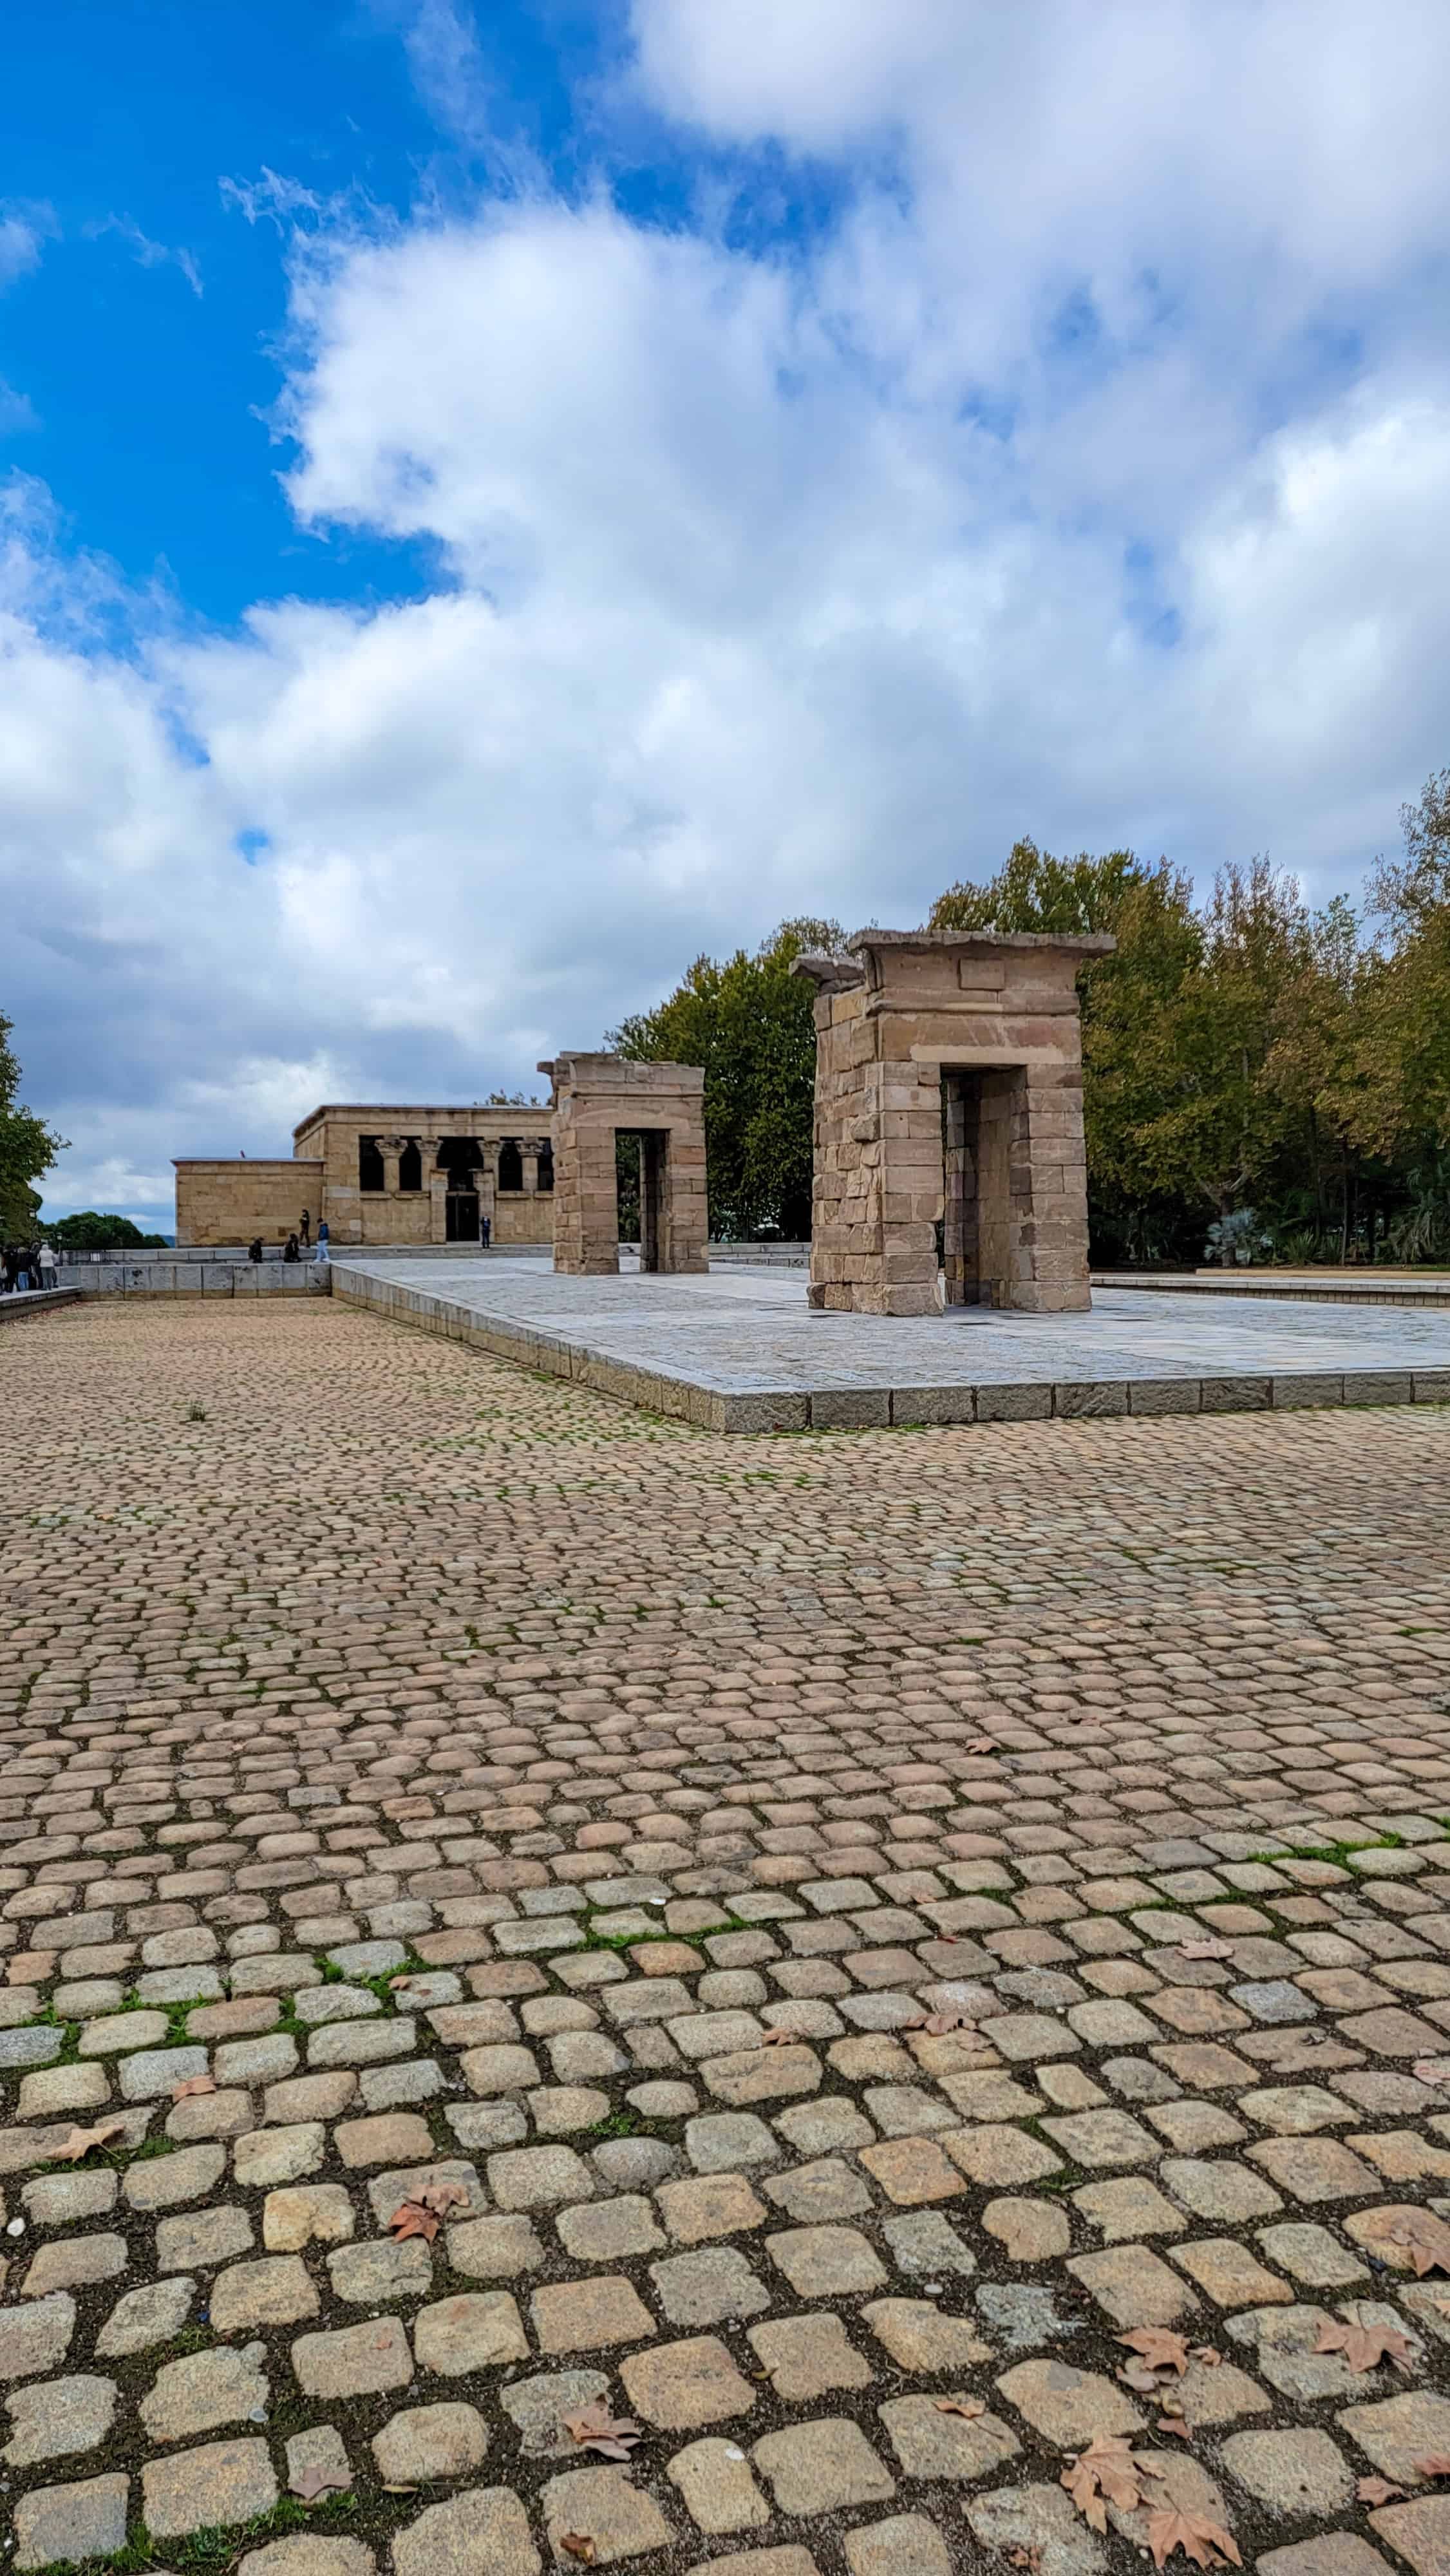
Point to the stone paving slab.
(511, 1908)
(740, 1350)
(1334, 1288)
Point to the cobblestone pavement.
(826, 1936)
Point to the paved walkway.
(739, 1350)
(518, 1917)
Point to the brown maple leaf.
(1108, 2472)
(193, 2084)
(578, 2545)
(81, 2141)
(595, 2429)
(969, 2408)
(1160, 2347)
(937, 2024)
(1210, 1947)
(411, 2218)
(1436, 2464)
(1365, 2347)
(1175, 2424)
(313, 2481)
(984, 1744)
(1425, 2238)
(1205, 2542)
(1377, 2490)
(778, 2038)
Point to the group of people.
(296, 1244)
(24, 1266)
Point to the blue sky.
(495, 501)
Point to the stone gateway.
(948, 1123)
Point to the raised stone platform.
(739, 1350)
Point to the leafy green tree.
(27, 1149)
(90, 1232)
(750, 1023)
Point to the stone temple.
(383, 1176)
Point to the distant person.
(485, 1232)
(290, 1249)
(22, 1270)
(8, 1267)
(254, 1248)
(47, 1266)
(305, 1230)
(322, 1241)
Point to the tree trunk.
(1343, 1204)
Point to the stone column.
(529, 1158)
(391, 1148)
(436, 1185)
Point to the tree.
(89, 1232)
(27, 1149)
(751, 1024)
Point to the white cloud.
(24, 230)
(767, 581)
(148, 253)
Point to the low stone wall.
(164, 1276)
(36, 1301)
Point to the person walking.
(47, 1266)
(485, 1232)
(305, 1230)
(322, 1241)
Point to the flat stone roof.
(739, 1350)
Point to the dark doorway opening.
(510, 1166)
(370, 1172)
(546, 1167)
(410, 1168)
(460, 1217)
(980, 1125)
(652, 1145)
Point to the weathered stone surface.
(219, 2482)
(1068, 2407)
(682, 2385)
(821, 2466)
(808, 2356)
(145, 2317)
(203, 2390)
(932, 2444)
(426, 2442)
(484, 2529)
(474, 2331)
(37, 2337)
(353, 2361)
(619, 2517)
(52, 2418)
(57, 2526)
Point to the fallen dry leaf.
(595, 2429)
(1365, 2347)
(1160, 2347)
(937, 2024)
(410, 2218)
(1176, 2424)
(1108, 2472)
(1436, 2464)
(1378, 2490)
(969, 2408)
(984, 1744)
(579, 2545)
(397, 2487)
(1210, 1947)
(1208, 2354)
(81, 2141)
(777, 2038)
(1207, 2543)
(440, 2197)
(1425, 2238)
(313, 2481)
(193, 2084)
